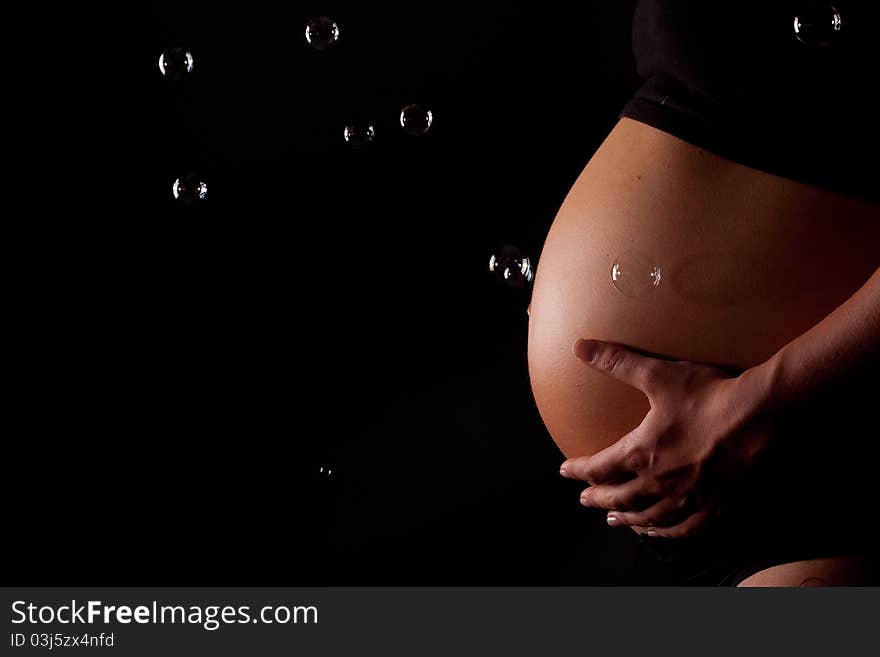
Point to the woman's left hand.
(703, 432)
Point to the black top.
(734, 78)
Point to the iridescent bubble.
(359, 135)
(321, 33)
(635, 274)
(817, 23)
(416, 120)
(189, 189)
(176, 63)
(511, 267)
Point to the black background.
(189, 370)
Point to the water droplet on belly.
(511, 267)
(817, 23)
(635, 274)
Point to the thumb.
(619, 362)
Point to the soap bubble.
(817, 23)
(635, 275)
(323, 476)
(321, 33)
(359, 135)
(416, 120)
(511, 267)
(189, 189)
(176, 63)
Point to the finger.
(688, 527)
(609, 465)
(630, 495)
(618, 462)
(621, 363)
(665, 513)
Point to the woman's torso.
(748, 261)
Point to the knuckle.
(635, 460)
(614, 359)
(588, 474)
(663, 424)
(633, 454)
(655, 372)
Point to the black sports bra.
(743, 80)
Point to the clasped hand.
(669, 475)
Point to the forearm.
(843, 345)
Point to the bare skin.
(705, 428)
(657, 456)
(750, 262)
(831, 571)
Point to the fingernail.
(585, 500)
(562, 471)
(586, 350)
(652, 532)
(612, 520)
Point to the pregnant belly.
(717, 263)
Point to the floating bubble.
(176, 63)
(511, 267)
(817, 23)
(359, 135)
(321, 33)
(635, 274)
(189, 189)
(416, 120)
(323, 478)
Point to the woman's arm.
(845, 343)
(706, 429)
